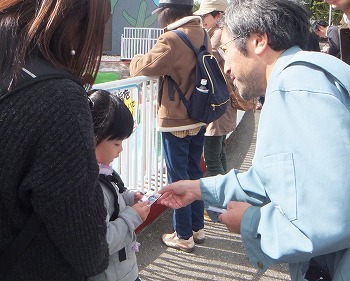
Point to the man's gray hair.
(284, 21)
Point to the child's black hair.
(111, 117)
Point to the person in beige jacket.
(182, 137)
(211, 12)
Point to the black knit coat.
(48, 164)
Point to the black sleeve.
(63, 178)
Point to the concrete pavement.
(221, 257)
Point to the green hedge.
(106, 77)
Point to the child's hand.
(137, 196)
(142, 209)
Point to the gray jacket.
(120, 234)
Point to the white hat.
(208, 6)
(179, 4)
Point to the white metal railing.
(136, 40)
(141, 164)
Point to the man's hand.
(180, 194)
(233, 217)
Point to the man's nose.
(227, 69)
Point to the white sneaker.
(199, 236)
(171, 240)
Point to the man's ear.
(260, 43)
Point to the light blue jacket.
(299, 182)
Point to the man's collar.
(281, 63)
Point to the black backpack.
(205, 107)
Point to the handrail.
(141, 163)
(124, 82)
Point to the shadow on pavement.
(241, 144)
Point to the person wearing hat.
(211, 12)
(182, 137)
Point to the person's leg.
(213, 155)
(176, 151)
(195, 172)
(318, 269)
(262, 99)
(195, 152)
(223, 154)
(260, 103)
(197, 208)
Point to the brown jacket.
(226, 123)
(171, 56)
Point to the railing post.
(139, 160)
(138, 41)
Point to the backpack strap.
(181, 94)
(10, 255)
(188, 42)
(108, 182)
(171, 81)
(37, 70)
(111, 182)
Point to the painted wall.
(127, 13)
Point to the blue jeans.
(182, 159)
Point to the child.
(113, 123)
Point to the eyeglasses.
(222, 49)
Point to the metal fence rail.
(141, 164)
(138, 41)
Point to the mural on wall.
(131, 13)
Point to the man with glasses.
(292, 205)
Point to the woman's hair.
(170, 15)
(111, 117)
(285, 22)
(51, 29)
(215, 13)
